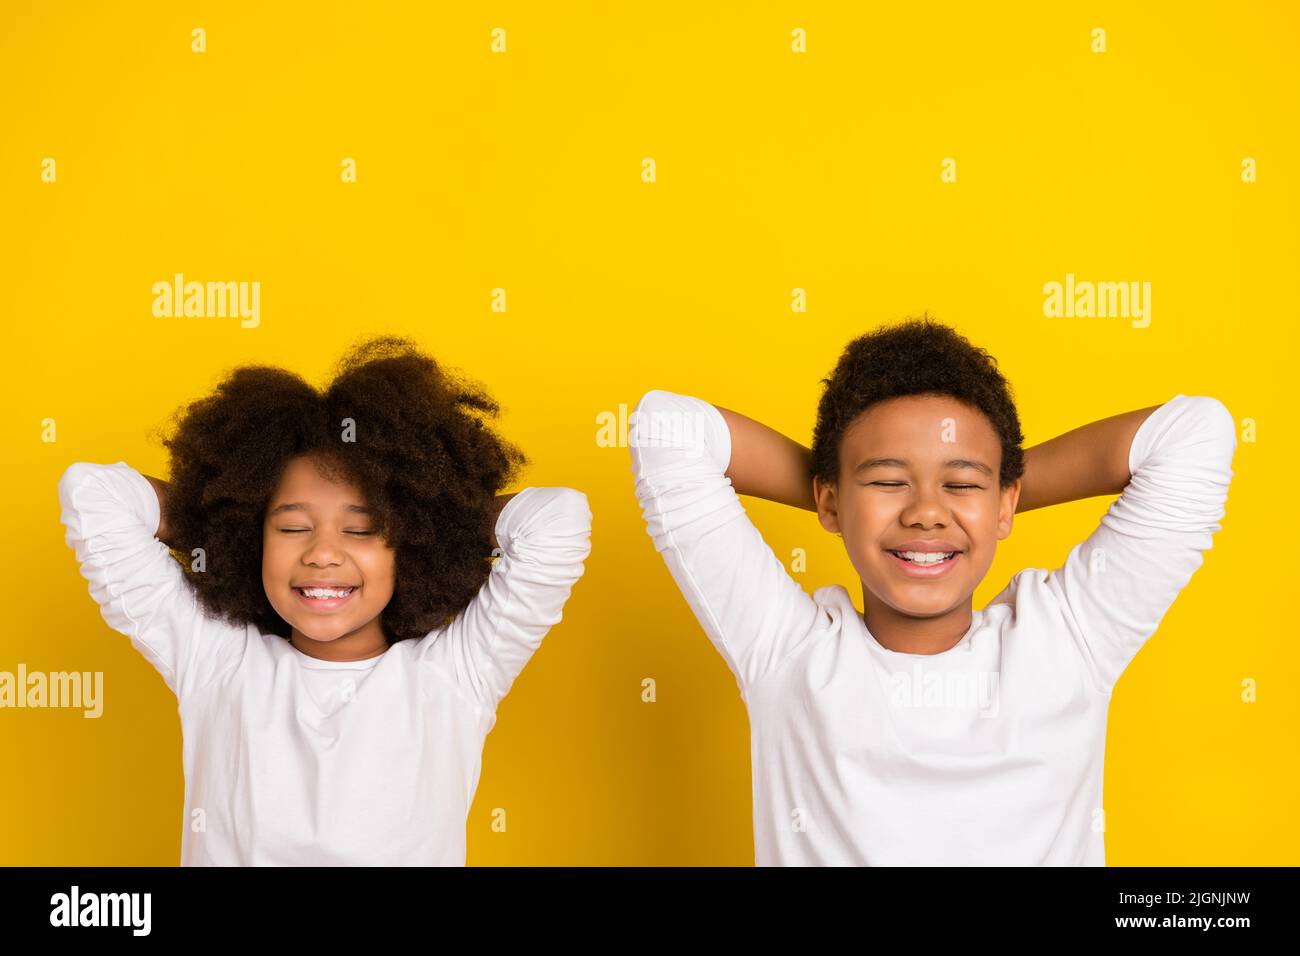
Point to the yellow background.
(775, 170)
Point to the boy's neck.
(915, 635)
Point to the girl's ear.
(827, 506)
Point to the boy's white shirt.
(291, 760)
(990, 753)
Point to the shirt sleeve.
(544, 536)
(111, 514)
(750, 607)
(1118, 583)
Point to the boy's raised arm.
(688, 467)
(1116, 586)
(766, 464)
(1086, 462)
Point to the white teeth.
(925, 557)
(326, 592)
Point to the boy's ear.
(827, 506)
(1007, 509)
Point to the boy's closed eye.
(897, 484)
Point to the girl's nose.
(323, 548)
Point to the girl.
(337, 633)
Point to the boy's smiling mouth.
(924, 564)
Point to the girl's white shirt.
(291, 760)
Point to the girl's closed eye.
(356, 531)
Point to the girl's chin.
(321, 637)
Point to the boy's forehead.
(934, 424)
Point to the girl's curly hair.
(408, 434)
(917, 355)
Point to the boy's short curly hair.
(915, 356)
(421, 453)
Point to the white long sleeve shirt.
(291, 760)
(989, 753)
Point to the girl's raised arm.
(501, 502)
(112, 514)
(543, 536)
(164, 532)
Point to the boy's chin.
(920, 600)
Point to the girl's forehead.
(304, 478)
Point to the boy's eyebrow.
(902, 463)
(301, 506)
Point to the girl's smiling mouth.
(325, 597)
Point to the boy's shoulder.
(836, 600)
(1024, 580)
(1026, 584)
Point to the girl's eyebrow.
(302, 506)
(902, 463)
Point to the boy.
(922, 731)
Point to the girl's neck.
(358, 646)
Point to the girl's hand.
(164, 532)
(500, 503)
